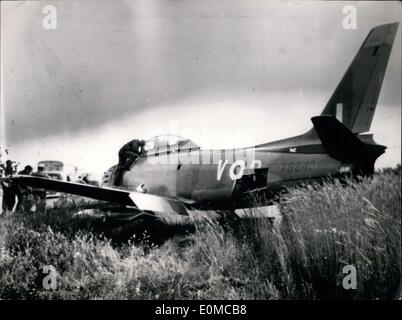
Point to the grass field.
(323, 228)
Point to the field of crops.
(322, 228)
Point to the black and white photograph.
(228, 150)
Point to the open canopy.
(168, 143)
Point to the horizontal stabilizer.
(141, 201)
(338, 141)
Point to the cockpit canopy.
(168, 143)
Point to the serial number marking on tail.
(296, 166)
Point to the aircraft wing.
(141, 201)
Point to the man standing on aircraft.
(128, 154)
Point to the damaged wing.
(141, 201)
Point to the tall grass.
(330, 226)
(323, 228)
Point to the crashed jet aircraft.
(174, 174)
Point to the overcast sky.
(248, 72)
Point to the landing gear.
(137, 226)
(143, 227)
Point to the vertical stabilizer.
(355, 98)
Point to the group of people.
(17, 197)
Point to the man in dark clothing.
(128, 154)
(40, 193)
(9, 170)
(9, 188)
(27, 170)
(9, 192)
(24, 193)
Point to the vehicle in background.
(57, 170)
(54, 169)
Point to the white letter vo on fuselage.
(236, 169)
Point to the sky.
(224, 73)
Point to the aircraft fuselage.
(209, 176)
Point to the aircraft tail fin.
(355, 98)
